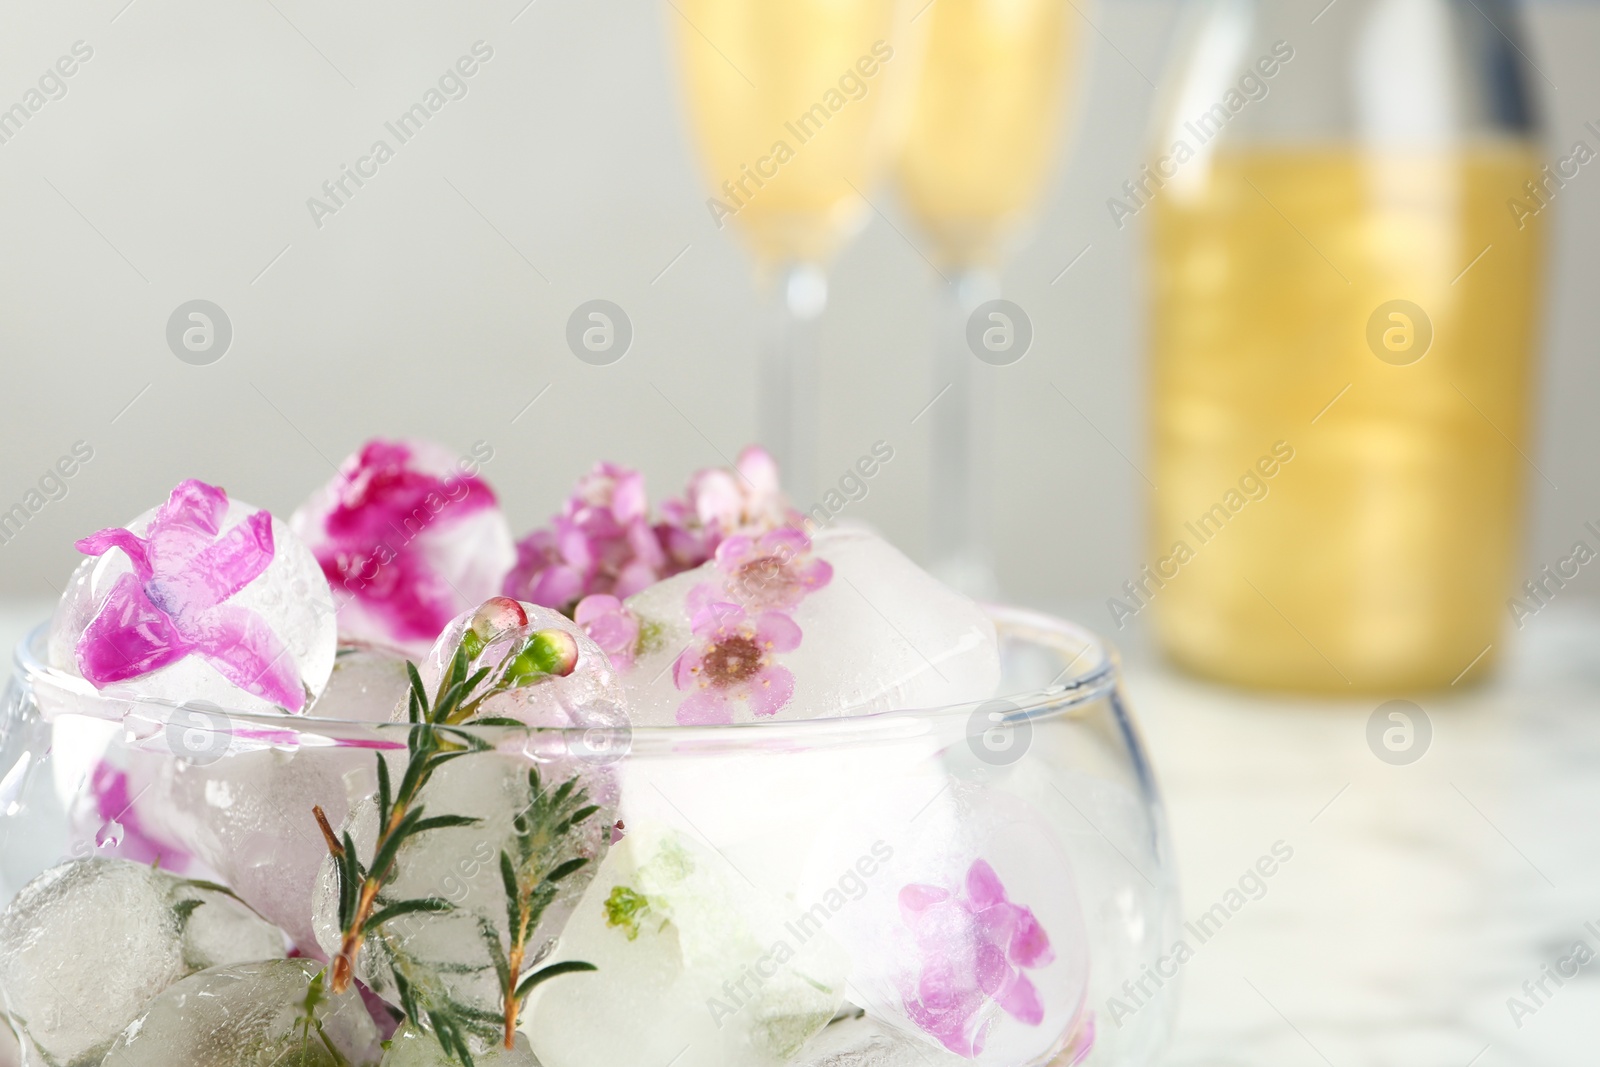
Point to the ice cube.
(248, 818)
(858, 1040)
(781, 627)
(696, 967)
(445, 955)
(200, 599)
(501, 626)
(10, 1050)
(87, 944)
(969, 935)
(367, 684)
(412, 1047)
(409, 536)
(277, 1012)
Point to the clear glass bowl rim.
(1074, 688)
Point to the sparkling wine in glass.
(983, 128)
(794, 105)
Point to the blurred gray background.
(178, 166)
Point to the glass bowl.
(986, 883)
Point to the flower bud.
(545, 653)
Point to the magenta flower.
(614, 628)
(973, 949)
(730, 661)
(602, 542)
(721, 503)
(389, 530)
(773, 573)
(173, 603)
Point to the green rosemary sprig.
(439, 733)
(532, 880)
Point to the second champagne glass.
(983, 128)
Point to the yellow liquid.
(1381, 557)
(763, 73)
(986, 115)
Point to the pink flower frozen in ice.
(972, 949)
(411, 534)
(731, 661)
(174, 602)
(602, 542)
(772, 573)
(612, 626)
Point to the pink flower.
(173, 603)
(973, 949)
(387, 530)
(731, 661)
(774, 573)
(614, 628)
(602, 542)
(721, 503)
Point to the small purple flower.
(174, 602)
(772, 573)
(613, 627)
(731, 661)
(972, 949)
(602, 542)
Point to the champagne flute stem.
(960, 503)
(791, 378)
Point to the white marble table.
(1418, 899)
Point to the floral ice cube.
(696, 967)
(971, 939)
(200, 599)
(783, 627)
(276, 1012)
(86, 945)
(409, 537)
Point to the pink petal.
(710, 707)
(983, 885)
(98, 544)
(193, 505)
(1021, 1000)
(770, 690)
(715, 617)
(594, 607)
(217, 571)
(715, 496)
(684, 668)
(242, 647)
(628, 499)
(552, 587)
(634, 577)
(990, 969)
(785, 542)
(732, 552)
(917, 898)
(815, 574)
(759, 469)
(127, 637)
(777, 632)
(1030, 945)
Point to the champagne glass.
(986, 114)
(794, 105)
